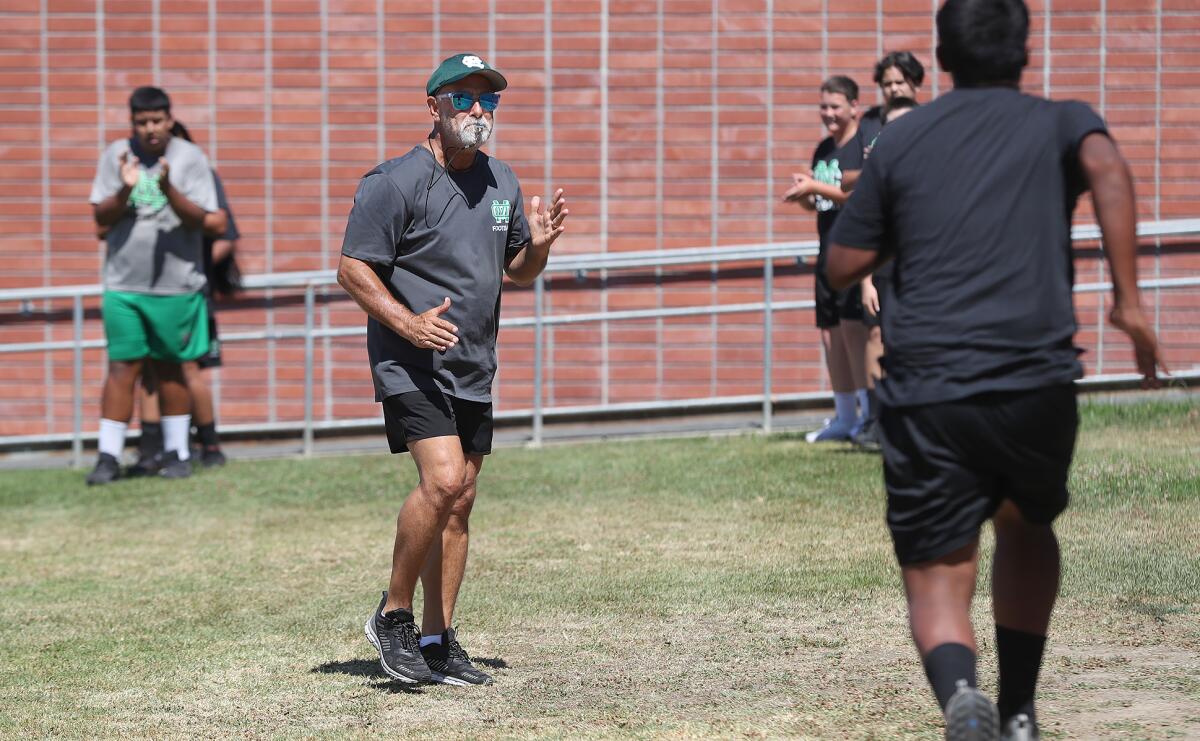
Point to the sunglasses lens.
(462, 101)
(489, 101)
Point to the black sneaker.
(971, 716)
(1020, 728)
(868, 437)
(173, 468)
(107, 470)
(396, 637)
(449, 663)
(145, 465)
(211, 457)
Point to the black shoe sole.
(369, 629)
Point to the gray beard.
(474, 133)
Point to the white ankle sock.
(426, 640)
(843, 404)
(175, 434)
(112, 437)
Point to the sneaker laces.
(454, 648)
(410, 637)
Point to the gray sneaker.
(1020, 728)
(971, 716)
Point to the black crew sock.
(945, 665)
(207, 435)
(151, 441)
(1020, 657)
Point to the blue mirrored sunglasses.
(463, 101)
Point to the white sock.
(175, 434)
(426, 640)
(112, 437)
(864, 404)
(843, 404)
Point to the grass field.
(732, 587)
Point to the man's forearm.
(111, 209)
(831, 192)
(528, 265)
(364, 286)
(189, 213)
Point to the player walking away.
(222, 279)
(838, 313)
(428, 240)
(151, 195)
(873, 287)
(972, 196)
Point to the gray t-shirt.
(149, 249)
(432, 234)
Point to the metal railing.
(579, 265)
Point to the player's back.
(979, 187)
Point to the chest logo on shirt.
(829, 173)
(501, 212)
(147, 193)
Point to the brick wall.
(670, 123)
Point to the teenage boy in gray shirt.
(151, 194)
(428, 241)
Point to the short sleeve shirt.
(829, 162)
(973, 196)
(432, 234)
(149, 250)
(231, 231)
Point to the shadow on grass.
(369, 669)
(490, 663)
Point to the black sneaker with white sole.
(449, 663)
(971, 716)
(395, 636)
(1020, 727)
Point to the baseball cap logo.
(473, 61)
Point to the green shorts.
(143, 325)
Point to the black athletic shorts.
(417, 415)
(948, 466)
(212, 358)
(834, 306)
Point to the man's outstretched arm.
(1111, 184)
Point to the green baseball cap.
(455, 68)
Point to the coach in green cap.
(429, 239)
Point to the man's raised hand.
(546, 224)
(429, 331)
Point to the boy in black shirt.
(972, 196)
(839, 314)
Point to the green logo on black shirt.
(501, 211)
(829, 173)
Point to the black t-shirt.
(973, 195)
(829, 161)
(870, 124)
(222, 277)
(431, 234)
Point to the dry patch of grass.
(735, 587)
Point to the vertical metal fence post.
(538, 296)
(309, 301)
(77, 382)
(768, 326)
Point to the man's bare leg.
(1025, 577)
(116, 402)
(939, 613)
(441, 467)
(447, 561)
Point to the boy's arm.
(1111, 184)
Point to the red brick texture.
(670, 123)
